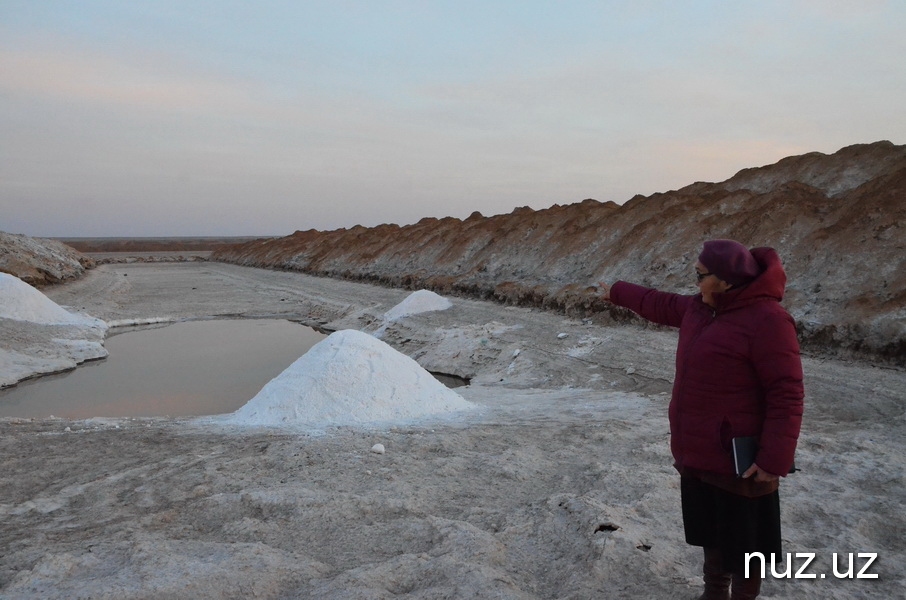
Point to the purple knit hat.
(730, 261)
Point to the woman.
(738, 374)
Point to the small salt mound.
(416, 303)
(349, 378)
(22, 302)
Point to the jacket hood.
(770, 284)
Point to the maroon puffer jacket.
(738, 371)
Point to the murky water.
(192, 368)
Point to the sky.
(197, 118)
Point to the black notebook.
(744, 450)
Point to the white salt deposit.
(22, 302)
(349, 378)
(72, 339)
(416, 303)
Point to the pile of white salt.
(350, 378)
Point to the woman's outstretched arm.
(659, 307)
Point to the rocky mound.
(836, 220)
(39, 261)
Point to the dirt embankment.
(39, 261)
(837, 221)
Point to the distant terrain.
(45, 261)
(150, 244)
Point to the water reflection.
(184, 369)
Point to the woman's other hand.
(604, 291)
(761, 476)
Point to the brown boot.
(717, 581)
(745, 588)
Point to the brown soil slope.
(39, 261)
(837, 220)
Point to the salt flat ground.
(558, 486)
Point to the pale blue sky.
(259, 118)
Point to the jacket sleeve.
(663, 308)
(775, 356)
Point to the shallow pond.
(183, 369)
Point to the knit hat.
(730, 261)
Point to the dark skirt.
(715, 518)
